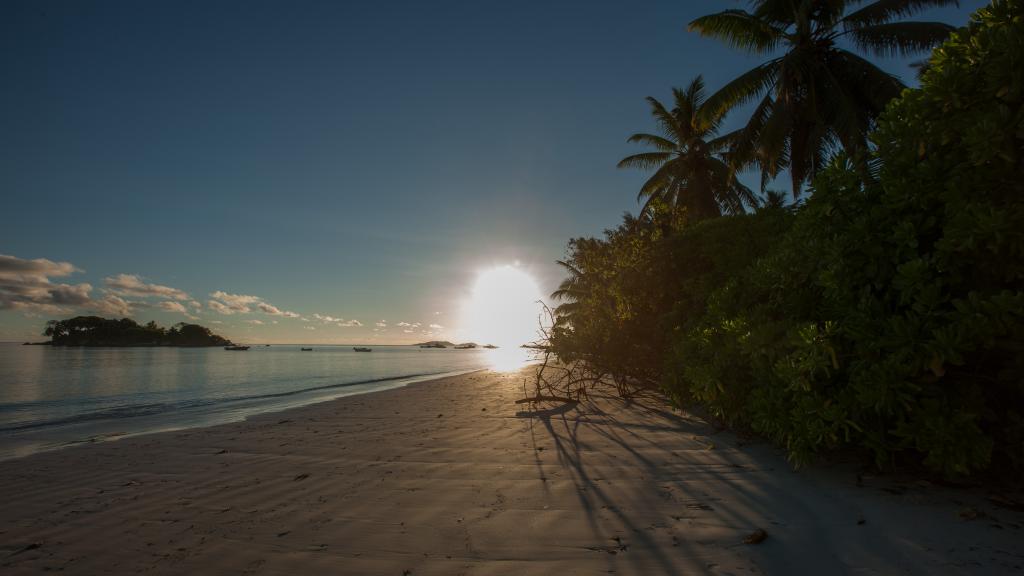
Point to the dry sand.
(446, 477)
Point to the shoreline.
(175, 422)
(449, 476)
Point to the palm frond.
(644, 160)
(740, 29)
(883, 11)
(747, 86)
(900, 38)
(659, 142)
(658, 181)
(666, 121)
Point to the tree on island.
(96, 331)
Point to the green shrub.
(892, 316)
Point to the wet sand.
(451, 477)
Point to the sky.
(322, 172)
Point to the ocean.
(56, 397)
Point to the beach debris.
(1004, 502)
(698, 505)
(31, 546)
(440, 415)
(860, 520)
(619, 546)
(300, 477)
(756, 537)
(971, 513)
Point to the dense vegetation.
(96, 331)
(885, 314)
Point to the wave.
(152, 409)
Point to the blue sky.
(353, 161)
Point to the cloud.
(112, 305)
(26, 285)
(40, 267)
(309, 327)
(382, 324)
(407, 331)
(220, 308)
(239, 303)
(328, 319)
(436, 327)
(255, 322)
(404, 324)
(275, 311)
(132, 285)
(195, 304)
(178, 307)
(172, 306)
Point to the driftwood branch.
(558, 380)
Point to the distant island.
(436, 344)
(96, 331)
(447, 344)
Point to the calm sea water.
(55, 397)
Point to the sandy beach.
(451, 477)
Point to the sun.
(502, 308)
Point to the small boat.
(306, 349)
(362, 349)
(234, 347)
(490, 346)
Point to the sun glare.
(503, 308)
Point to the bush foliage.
(885, 314)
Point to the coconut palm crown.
(817, 96)
(691, 172)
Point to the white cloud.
(172, 306)
(407, 331)
(196, 304)
(112, 305)
(220, 308)
(309, 327)
(132, 285)
(328, 319)
(382, 324)
(178, 307)
(235, 302)
(255, 322)
(275, 311)
(26, 285)
(436, 326)
(404, 324)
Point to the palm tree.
(690, 171)
(816, 96)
